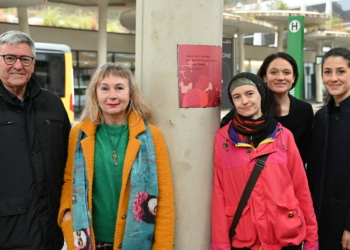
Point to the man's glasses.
(11, 59)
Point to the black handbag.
(259, 166)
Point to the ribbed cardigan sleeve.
(165, 219)
(66, 196)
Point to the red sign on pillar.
(199, 75)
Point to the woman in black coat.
(329, 164)
(280, 72)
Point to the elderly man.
(34, 130)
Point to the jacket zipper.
(7, 123)
(49, 122)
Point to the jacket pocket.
(14, 232)
(6, 123)
(289, 221)
(53, 145)
(245, 231)
(50, 121)
(53, 129)
(337, 217)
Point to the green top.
(107, 179)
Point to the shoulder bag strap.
(259, 165)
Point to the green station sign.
(295, 48)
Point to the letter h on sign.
(294, 25)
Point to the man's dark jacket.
(33, 153)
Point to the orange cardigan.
(165, 219)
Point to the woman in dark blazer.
(280, 72)
(328, 168)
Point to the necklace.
(114, 155)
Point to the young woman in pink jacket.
(279, 213)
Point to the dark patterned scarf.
(254, 131)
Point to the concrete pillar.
(257, 39)
(189, 132)
(102, 32)
(23, 20)
(280, 31)
(318, 73)
(241, 51)
(234, 57)
(329, 8)
(303, 6)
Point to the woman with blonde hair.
(114, 156)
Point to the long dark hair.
(272, 104)
(336, 52)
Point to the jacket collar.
(265, 147)
(344, 105)
(33, 86)
(135, 124)
(227, 130)
(294, 105)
